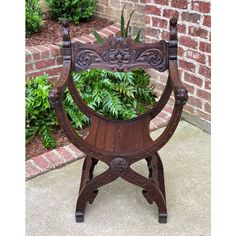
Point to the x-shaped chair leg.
(151, 191)
(89, 191)
(119, 167)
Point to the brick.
(42, 163)
(54, 50)
(189, 109)
(147, 20)
(198, 32)
(208, 84)
(104, 33)
(190, 88)
(182, 4)
(205, 71)
(189, 66)
(53, 79)
(54, 71)
(113, 29)
(151, 32)
(75, 150)
(85, 39)
(196, 102)
(207, 21)
(168, 13)
(29, 67)
(159, 23)
(34, 74)
(207, 107)
(193, 79)
(153, 10)
(203, 115)
(45, 63)
(161, 2)
(59, 60)
(209, 60)
(181, 28)
(104, 2)
(191, 17)
(89, 38)
(66, 154)
(30, 169)
(188, 42)
(205, 47)
(165, 35)
(55, 158)
(199, 57)
(204, 94)
(203, 7)
(180, 52)
(35, 53)
(28, 56)
(45, 52)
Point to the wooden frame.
(113, 141)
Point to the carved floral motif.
(119, 164)
(118, 54)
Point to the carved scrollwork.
(118, 164)
(121, 54)
(151, 56)
(87, 57)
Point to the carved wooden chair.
(113, 141)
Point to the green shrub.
(73, 10)
(33, 17)
(115, 95)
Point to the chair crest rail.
(120, 54)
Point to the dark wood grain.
(120, 143)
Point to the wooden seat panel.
(119, 137)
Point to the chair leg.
(151, 191)
(88, 191)
(161, 178)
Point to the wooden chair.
(120, 143)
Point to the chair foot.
(162, 217)
(79, 216)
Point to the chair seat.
(119, 136)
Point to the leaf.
(97, 36)
(127, 27)
(47, 139)
(122, 22)
(137, 38)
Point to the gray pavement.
(120, 208)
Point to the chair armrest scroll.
(57, 91)
(180, 92)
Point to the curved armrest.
(62, 81)
(57, 91)
(181, 93)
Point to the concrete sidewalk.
(120, 208)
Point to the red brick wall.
(47, 58)
(194, 33)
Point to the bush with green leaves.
(33, 16)
(72, 10)
(115, 95)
